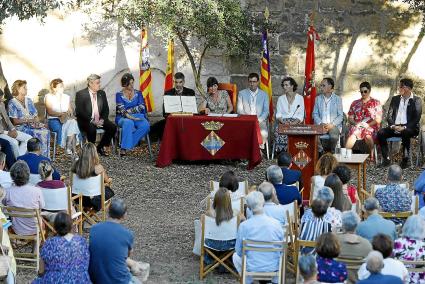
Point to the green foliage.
(25, 9)
(417, 5)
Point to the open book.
(173, 104)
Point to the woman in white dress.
(60, 117)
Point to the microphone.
(295, 111)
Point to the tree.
(206, 24)
(23, 9)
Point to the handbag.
(5, 261)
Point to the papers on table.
(223, 114)
(173, 104)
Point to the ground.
(162, 204)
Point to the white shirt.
(5, 179)
(391, 267)
(253, 101)
(58, 102)
(327, 109)
(93, 104)
(401, 117)
(284, 110)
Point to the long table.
(192, 138)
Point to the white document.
(215, 114)
(173, 104)
(230, 115)
(189, 104)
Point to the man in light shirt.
(403, 119)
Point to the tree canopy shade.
(206, 24)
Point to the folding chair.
(352, 265)
(226, 231)
(292, 235)
(90, 187)
(119, 134)
(243, 187)
(270, 247)
(237, 205)
(301, 244)
(60, 199)
(30, 257)
(417, 266)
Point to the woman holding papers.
(215, 101)
(131, 114)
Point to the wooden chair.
(38, 237)
(237, 205)
(243, 186)
(259, 246)
(90, 187)
(232, 90)
(210, 230)
(119, 137)
(352, 265)
(414, 265)
(302, 244)
(292, 235)
(61, 199)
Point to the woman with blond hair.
(88, 165)
(23, 114)
(60, 116)
(324, 167)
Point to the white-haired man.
(374, 264)
(259, 227)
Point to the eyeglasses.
(322, 85)
(364, 91)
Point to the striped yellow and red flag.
(168, 84)
(265, 77)
(145, 71)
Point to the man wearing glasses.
(254, 101)
(328, 112)
(403, 119)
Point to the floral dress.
(221, 105)
(413, 250)
(330, 270)
(28, 111)
(65, 261)
(365, 112)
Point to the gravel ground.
(163, 204)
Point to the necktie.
(95, 109)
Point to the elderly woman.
(308, 269)
(365, 116)
(23, 195)
(333, 215)
(289, 110)
(23, 114)
(341, 199)
(65, 256)
(131, 114)
(323, 168)
(384, 245)
(411, 245)
(60, 117)
(215, 101)
(329, 270)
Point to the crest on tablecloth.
(301, 159)
(212, 143)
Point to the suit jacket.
(186, 92)
(83, 108)
(337, 113)
(414, 112)
(380, 278)
(5, 123)
(292, 176)
(33, 160)
(261, 104)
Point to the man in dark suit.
(403, 119)
(92, 111)
(6, 148)
(290, 177)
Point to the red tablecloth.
(183, 136)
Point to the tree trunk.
(4, 87)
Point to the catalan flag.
(145, 72)
(168, 84)
(309, 84)
(265, 78)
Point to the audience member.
(329, 270)
(374, 264)
(307, 266)
(332, 216)
(258, 228)
(23, 195)
(385, 245)
(341, 200)
(284, 161)
(230, 181)
(7, 149)
(419, 186)
(33, 157)
(216, 101)
(64, 257)
(5, 179)
(411, 245)
(286, 194)
(375, 223)
(323, 168)
(344, 174)
(111, 244)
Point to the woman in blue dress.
(131, 114)
(23, 115)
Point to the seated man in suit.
(328, 112)
(33, 157)
(285, 194)
(284, 161)
(403, 119)
(254, 101)
(92, 112)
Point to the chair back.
(414, 266)
(91, 186)
(351, 263)
(227, 230)
(55, 199)
(242, 189)
(34, 179)
(232, 90)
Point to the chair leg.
(267, 150)
(149, 146)
(273, 149)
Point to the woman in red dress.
(365, 117)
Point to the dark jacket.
(414, 112)
(83, 106)
(292, 176)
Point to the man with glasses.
(403, 119)
(328, 112)
(254, 101)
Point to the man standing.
(403, 119)
(328, 112)
(255, 102)
(92, 111)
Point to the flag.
(265, 77)
(145, 72)
(168, 84)
(309, 84)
